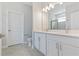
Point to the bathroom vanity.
(53, 44)
(56, 32)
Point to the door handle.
(61, 49)
(39, 42)
(57, 46)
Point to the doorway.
(15, 28)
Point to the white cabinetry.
(70, 46)
(52, 48)
(69, 50)
(53, 45)
(37, 41)
(56, 45)
(43, 43)
(40, 42)
(62, 45)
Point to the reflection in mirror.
(57, 18)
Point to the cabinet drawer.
(53, 37)
(65, 39)
(70, 40)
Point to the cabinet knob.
(61, 49)
(57, 46)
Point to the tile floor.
(20, 50)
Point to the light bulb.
(44, 10)
(50, 5)
(47, 8)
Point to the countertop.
(72, 33)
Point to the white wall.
(37, 17)
(27, 21)
(40, 18)
(75, 20)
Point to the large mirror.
(57, 18)
(64, 16)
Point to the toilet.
(29, 40)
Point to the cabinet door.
(43, 43)
(52, 47)
(70, 50)
(37, 39)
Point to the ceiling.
(42, 3)
(28, 3)
(46, 3)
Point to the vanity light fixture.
(44, 10)
(47, 8)
(51, 6)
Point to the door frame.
(7, 12)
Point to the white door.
(52, 47)
(0, 47)
(43, 43)
(15, 28)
